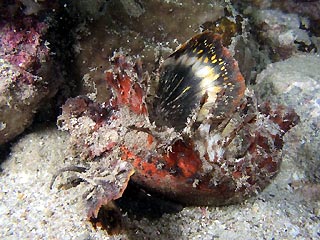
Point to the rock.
(281, 33)
(309, 8)
(296, 83)
(27, 74)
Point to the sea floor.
(31, 210)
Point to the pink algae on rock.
(22, 44)
(28, 75)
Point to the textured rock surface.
(281, 32)
(296, 83)
(27, 75)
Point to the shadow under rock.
(139, 204)
(4, 152)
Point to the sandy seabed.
(30, 210)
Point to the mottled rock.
(308, 8)
(281, 33)
(27, 74)
(296, 83)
